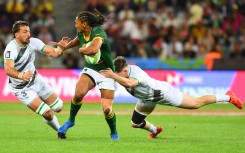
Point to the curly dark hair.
(93, 19)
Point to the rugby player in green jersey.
(89, 29)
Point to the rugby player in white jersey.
(151, 92)
(24, 80)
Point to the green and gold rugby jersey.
(106, 58)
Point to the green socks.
(74, 108)
(111, 121)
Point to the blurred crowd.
(39, 13)
(174, 29)
(164, 29)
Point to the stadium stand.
(164, 30)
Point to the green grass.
(22, 131)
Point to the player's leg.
(84, 84)
(56, 105)
(141, 111)
(107, 97)
(41, 108)
(54, 102)
(31, 99)
(190, 102)
(176, 98)
(49, 97)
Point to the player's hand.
(62, 43)
(107, 73)
(27, 75)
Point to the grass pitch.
(199, 131)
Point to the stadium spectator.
(214, 22)
(70, 61)
(151, 92)
(215, 53)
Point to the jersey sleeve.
(138, 74)
(37, 44)
(99, 33)
(10, 53)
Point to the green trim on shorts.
(40, 108)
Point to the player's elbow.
(128, 85)
(7, 70)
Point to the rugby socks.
(222, 98)
(111, 121)
(74, 108)
(53, 123)
(153, 129)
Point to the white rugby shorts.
(40, 88)
(101, 81)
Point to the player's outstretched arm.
(126, 82)
(69, 44)
(56, 52)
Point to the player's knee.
(45, 111)
(139, 125)
(138, 120)
(57, 105)
(107, 111)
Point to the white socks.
(53, 123)
(222, 98)
(153, 129)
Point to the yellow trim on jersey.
(98, 37)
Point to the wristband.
(20, 75)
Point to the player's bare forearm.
(87, 50)
(126, 82)
(72, 43)
(52, 52)
(93, 48)
(12, 72)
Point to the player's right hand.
(27, 76)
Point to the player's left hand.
(62, 43)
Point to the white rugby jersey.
(148, 88)
(23, 58)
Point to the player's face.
(24, 35)
(79, 25)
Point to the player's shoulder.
(98, 31)
(12, 45)
(34, 40)
(135, 67)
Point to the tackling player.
(24, 80)
(152, 92)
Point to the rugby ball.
(92, 59)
